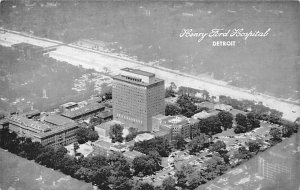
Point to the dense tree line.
(85, 134)
(157, 144)
(147, 165)
(260, 111)
(246, 123)
(107, 172)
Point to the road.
(101, 61)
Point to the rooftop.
(123, 78)
(57, 120)
(34, 125)
(175, 120)
(103, 144)
(208, 105)
(161, 133)
(139, 72)
(73, 113)
(107, 125)
(133, 154)
(105, 114)
(32, 113)
(66, 105)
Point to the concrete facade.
(137, 96)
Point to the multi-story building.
(83, 111)
(177, 125)
(137, 96)
(47, 134)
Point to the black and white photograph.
(149, 95)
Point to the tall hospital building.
(137, 96)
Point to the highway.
(113, 62)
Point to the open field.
(19, 173)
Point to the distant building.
(48, 135)
(68, 106)
(223, 107)
(104, 128)
(102, 147)
(28, 50)
(32, 114)
(144, 137)
(177, 125)
(91, 44)
(4, 123)
(131, 155)
(57, 120)
(83, 111)
(208, 105)
(271, 169)
(106, 115)
(204, 114)
(137, 96)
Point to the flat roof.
(133, 154)
(138, 72)
(58, 120)
(123, 78)
(103, 144)
(83, 110)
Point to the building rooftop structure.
(103, 144)
(69, 105)
(204, 114)
(132, 154)
(161, 133)
(105, 114)
(136, 80)
(39, 128)
(223, 107)
(208, 105)
(82, 110)
(143, 137)
(171, 121)
(57, 120)
(35, 126)
(32, 113)
(107, 125)
(138, 72)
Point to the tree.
(252, 121)
(218, 146)
(146, 165)
(254, 145)
(239, 129)
(187, 106)
(242, 154)
(211, 125)
(183, 175)
(198, 143)
(168, 184)
(76, 147)
(172, 109)
(143, 186)
(226, 119)
(275, 133)
(169, 93)
(179, 142)
(241, 119)
(132, 134)
(288, 128)
(116, 133)
(84, 135)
